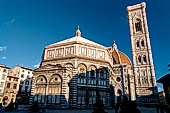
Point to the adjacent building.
(166, 85)
(3, 76)
(162, 98)
(18, 82)
(74, 71)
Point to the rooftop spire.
(114, 46)
(78, 33)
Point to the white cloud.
(2, 48)
(160, 89)
(11, 21)
(4, 57)
(36, 65)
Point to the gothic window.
(27, 83)
(144, 59)
(142, 43)
(138, 25)
(139, 59)
(137, 44)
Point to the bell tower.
(143, 67)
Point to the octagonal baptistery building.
(73, 72)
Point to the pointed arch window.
(142, 43)
(144, 59)
(137, 44)
(139, 59)
(138, 25)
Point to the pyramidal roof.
(76, 38)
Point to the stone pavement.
(143, 110)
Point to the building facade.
(162, 98)
(75, 70)
(18, 82)
(166, 85)
(143, 67)
(3, 76)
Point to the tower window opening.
(144, 58)
(137, 44)
(138, 25)
(142, 43)
(139, 59)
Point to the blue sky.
(27, 26)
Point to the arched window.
(142, 43)
(137, 44)
(138, 25)
(92, 73)
(144, 59)
(139, 59)
(101, 74)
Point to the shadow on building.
(59, 90)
